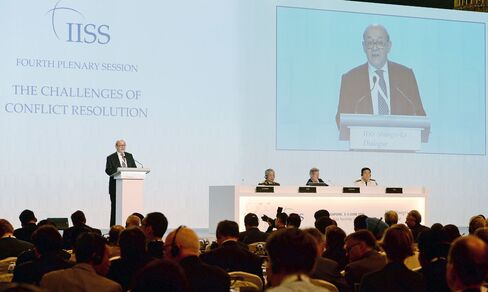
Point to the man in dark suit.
(28, 221)
(379, 87)
(9, 245)
(182, 246)
(79, 227)
(363, 258)
(230, 255)
(413, 221)
(252, 233)
(120, 158)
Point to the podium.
(129, 196)
(384, 132)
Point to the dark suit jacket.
(231, 257)
(13, 247)
(372, 261)
(203, 277)
(252, 235)
(111, 167)
(393, 277)
(123, 271)
(31, 272)
(434, 275)
(355, 96)
(328, 270)
(71, 234)
(25, 232)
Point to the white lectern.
(129, 197)
(384, 132)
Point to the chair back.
(239, 276)
(321, 283)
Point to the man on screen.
(115, 160)
(380, 86)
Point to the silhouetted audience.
(452, 232)
(467, 265)
(413, 221)
(334, 246)
(252, 233)
(79, 227)
(48, 245)
(363, 258)
(113, 240)
(395, 276)
(433, 249)
(360, 222)
(9, 245)
(161, 275)
(231, 255)
(279, 223)
(292, 254)
(28, 221)
(293, 221)
(154, 226)
(321, 213)
(182, 246)
(322, 223)
(88, 274)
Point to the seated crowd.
(378, 256)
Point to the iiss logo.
(70, 25)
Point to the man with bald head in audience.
(182, 245)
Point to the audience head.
(27, 216)
(251, 220)
(482, 233)
(181, 243)
(46, 222)
(139, 215)
(413, 219)
(452, 232)
(476, 222)
(293, 221)
(319, 239)
(161, 275)
(154, 225)
(323, 222)
(398, 243)
(91, 248)
(78, 218)
(321, 213)
(47, 240)
(291, 251)
(432, 243)
(5, 228)
(467, 264)
(391, 217)
(334, 238)
(360, 222)
(132, 242)
(114, 233)
(281, 219)
(359, 243)
(227, 230)
(132, 221)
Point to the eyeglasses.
(379, 44)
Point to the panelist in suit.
(269, 178)
(315, 177)
(365, 180)
(380, 86)
(119, 158)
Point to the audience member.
(325, 269)
(360, 222)
(79, 227)
(154, 226)
(433, 248)
(132, 221)
(334, 246)
(413, 221)
(9, 245)
(452, 232)
(113, 240)
(321, 213)
(395, 276)
(279, 223)
(467, 264)
(161, 275)
(476, 222)
(252, 233)
(363, 258)
(482, 233)
(322, 223)
(376, 226)
(92, 265)
(230, 255)
(133, 257)
(48, 244)
(182, 245)
(292, 254)
(28, 221)
(141, 217)
(293, 221)
(391, 217)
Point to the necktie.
(382, 105)
(123, 162)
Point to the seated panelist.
(365, 180)
(269, 178)
(314, 178)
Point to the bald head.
(376, 45)
(186, 240)
(132, 221)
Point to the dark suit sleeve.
(110, 167)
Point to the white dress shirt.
(375, 86)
